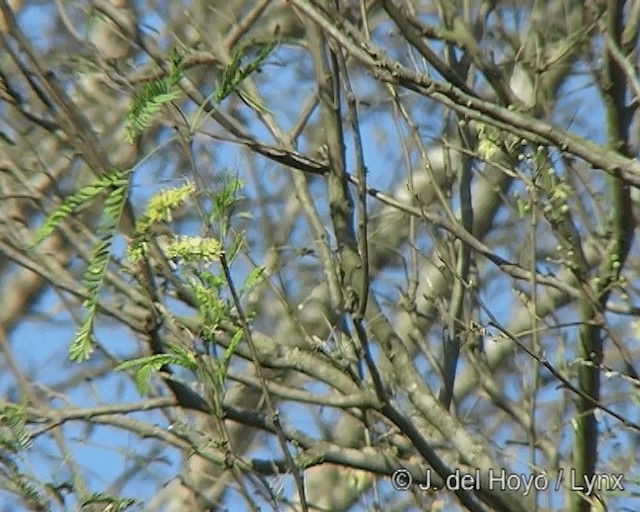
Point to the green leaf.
(233, 343)
(115, 180)
(212, 309)
(13, 436)
(81, 347)
(108, 503)
(236, 245)
(235, 74)
(146, 103)
(252, 279)
(183, 356)
(116, 184)
(146, 366)
(221, 369)
(523, 207)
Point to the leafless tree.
(371, 255)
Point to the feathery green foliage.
(148, 365)
(223, 201)
(108, 503)
(98, 265)
(235, 73)
(13, 437)
(115, 185)
(14, 480)
(228, 354)
(253, 278)
(207, 291)
(13, 440)
(195, 257)
(115, 180)
(146, 103)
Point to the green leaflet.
(146, 103)
(235, 73)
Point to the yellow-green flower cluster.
(194, 249)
